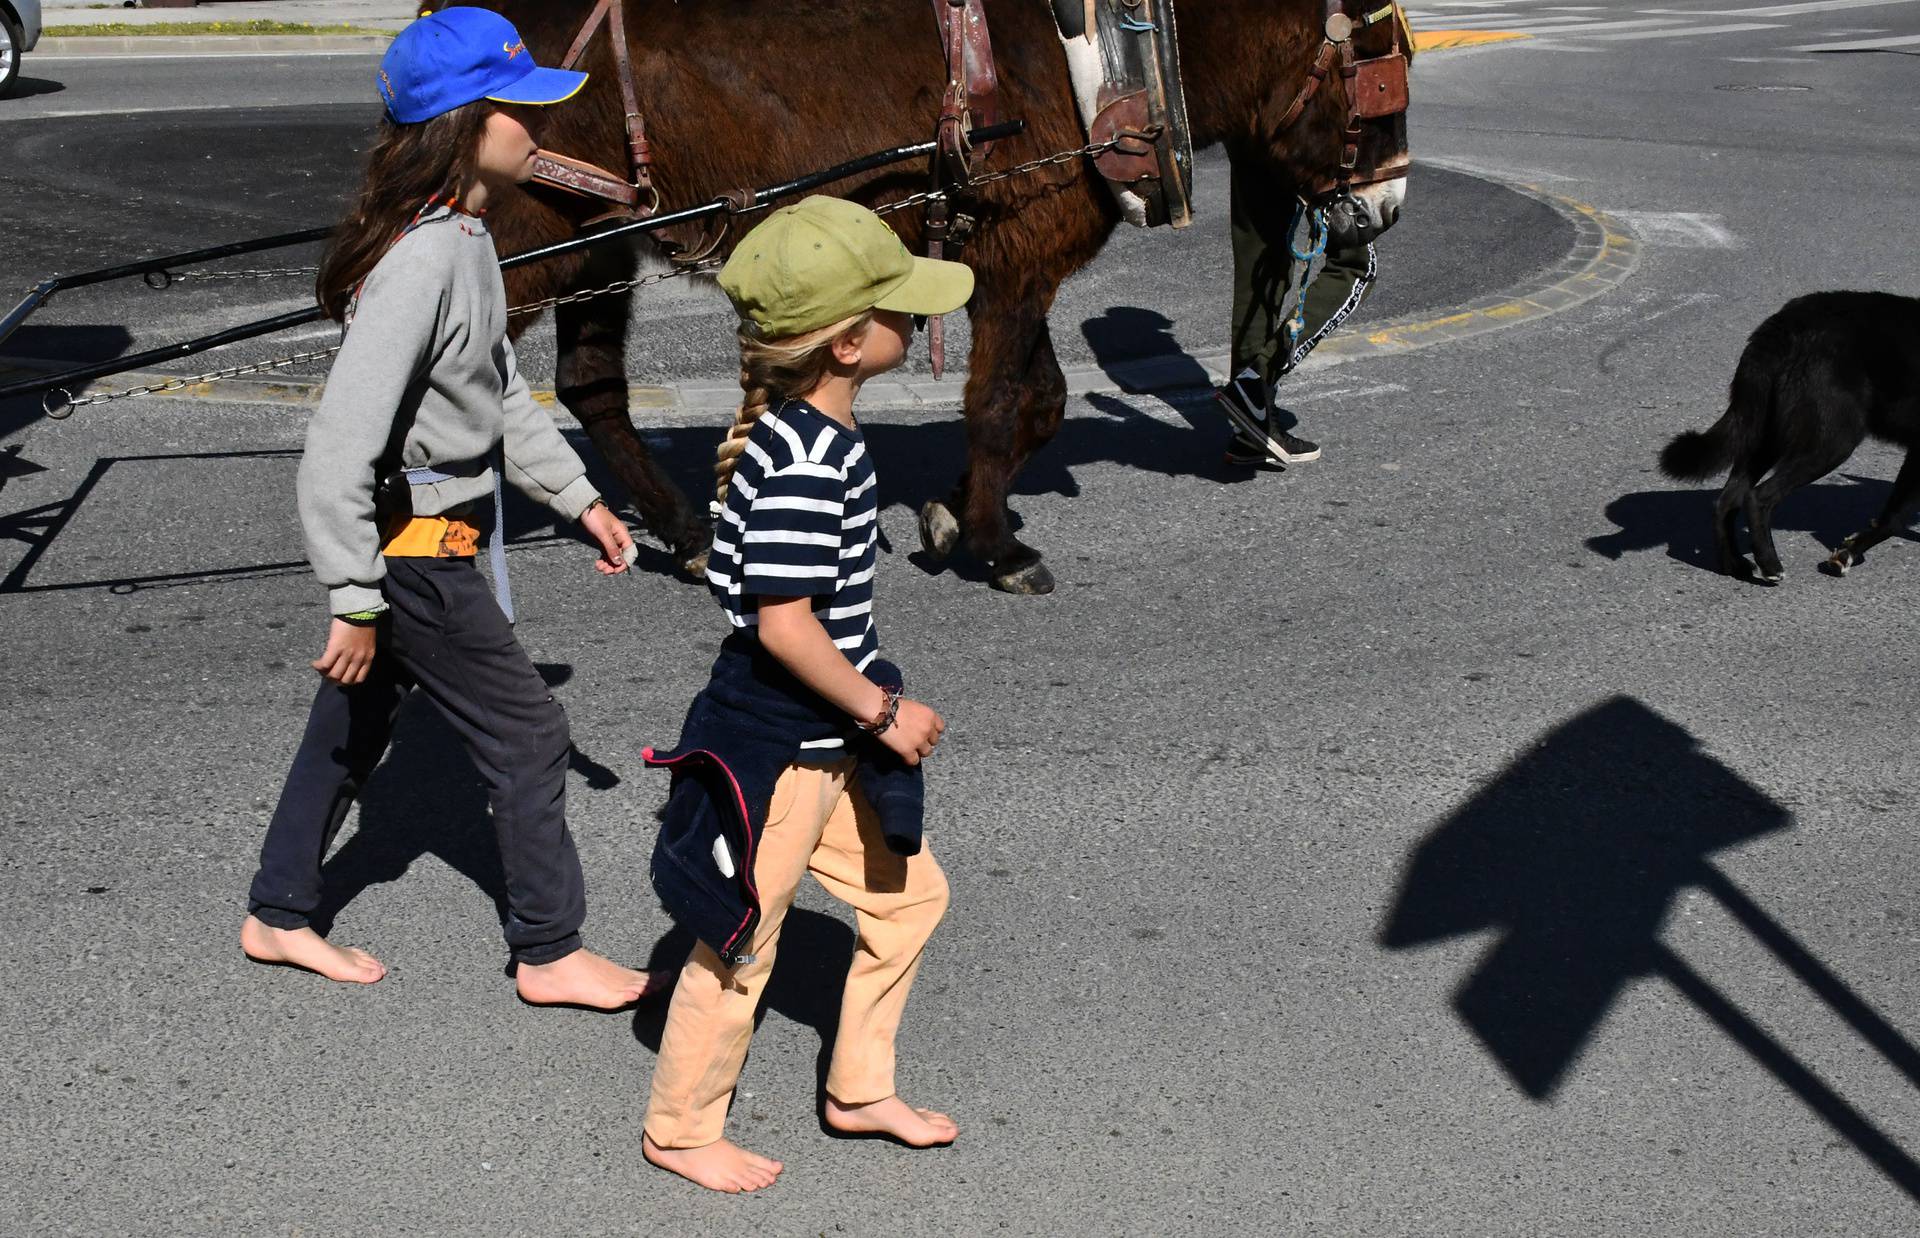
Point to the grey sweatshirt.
(425, 363)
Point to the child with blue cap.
(424, 413)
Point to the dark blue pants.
(443, 634)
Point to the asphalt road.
(94, 188)
(1420, 841)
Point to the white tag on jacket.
(722, 857)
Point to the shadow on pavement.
(1682, 520)
(1575, 854)
(425, 798)
(808, 981)
(71, 344)
(916, 461)
(25, 87)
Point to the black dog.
(1814, 381)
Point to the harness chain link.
(68, 403)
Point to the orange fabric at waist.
(430, 537)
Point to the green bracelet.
(362, 616)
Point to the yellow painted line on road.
(1603, 258)
(1447, 40)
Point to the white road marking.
(1786, 10)
(1679, 229)
(37, 58)
(1861, 45)
(183, 107)
(1685, 31)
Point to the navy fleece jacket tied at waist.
(741, 733)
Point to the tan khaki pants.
(818, 821)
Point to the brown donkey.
(752, 92)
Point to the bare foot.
(893, 1117)
(583, 978)
(718, 1166)
(306, 949)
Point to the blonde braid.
(786, 368)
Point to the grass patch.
(121, 28)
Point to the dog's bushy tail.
(1699, 454)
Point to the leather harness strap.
(639, 197)
(1375, 87)
(970, 100)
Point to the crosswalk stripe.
(1683, 31)
(1860, 45)
(1585, 27)
(1787, 10)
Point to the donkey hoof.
(1771, 577)
(1031, 579)
(695, 566)
(939, 531)
(1841, 561)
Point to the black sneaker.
(1244, 401)
(1249, 453)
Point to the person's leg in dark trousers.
(347, 733)
(452, 639)
(348, 730)
(1262, 267)
(445, 634)
(1260, 217)
(1336, 292)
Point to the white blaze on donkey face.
(1383, 202)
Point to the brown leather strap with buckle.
(970, 100)
(637, 197)
(1376, 87)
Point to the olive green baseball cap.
(823, 260)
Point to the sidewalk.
(377, 14)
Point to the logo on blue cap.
(459, 56)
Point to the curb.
(122, 45)
(1603, 256)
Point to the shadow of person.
(1682, 520)
(1136, 349)
(1574, 855)
(598, 776)
(425, 798)
(809, 979)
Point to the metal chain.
(617, 286)
(63, 406)
(66, 403)
(1020, 169)
(181, 277)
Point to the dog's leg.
(1791, 474)
(1900, 507)
(1726, 510)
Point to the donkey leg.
(1006, 330)
(1900, 507)
(591, 378)
(1042, 407)
(1787, 476)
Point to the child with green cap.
(801, 754)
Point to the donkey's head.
(1310, 95)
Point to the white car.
(19, 31)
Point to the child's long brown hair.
(408, 166)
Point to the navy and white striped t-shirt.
(801, 521)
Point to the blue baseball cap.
(459, 56)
